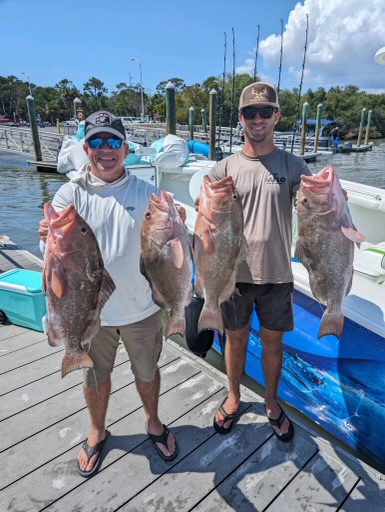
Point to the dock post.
(305, 110)
(170, 109)
(317, 126)
(367, 127)
(212, 121)
(34, 128)
(191, 118)
(361, 127)
(204, 120)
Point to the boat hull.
(339, 384)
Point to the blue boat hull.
(339, 384)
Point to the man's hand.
(43, 230)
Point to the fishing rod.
(256, 56)
(232, 93)
(222, 101)
(280, 59)
(301, 82)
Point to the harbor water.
(24, 190)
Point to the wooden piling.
(317, 126)
(34, 128)
(170, 109)
(368, 127)
(191, 119)
(305, 110)
(204, 120)
(212, 121)
(361, 127)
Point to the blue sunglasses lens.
(98, 142)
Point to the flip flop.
(90, 451)
(162, 439)
(285, 438)
(227, 417)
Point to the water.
(24, 191)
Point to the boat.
(339, 384)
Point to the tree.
(94, 92)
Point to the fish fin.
(353, 235)
(331, 323)
(59, 283)
(210, 319)
(298, 254)
(176, 325)
(177, 254)
(107, 287)
(44, 281)
(75, 362)
(208, 241)
(156, 295)
(54, 339)
(243, 251)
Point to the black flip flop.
(162, 439)
(90, 451)
(227, 417)
(285, 438)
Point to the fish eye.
(147, 214)
(235, 196)
(305, 200)
(83, 229)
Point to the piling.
(170, 109)
(58, 125)
(305, 110)
(317, 126)
(368, 127)
(361, 127)
(204, 120)
(212, 121)
(34, 128)
(191, 119)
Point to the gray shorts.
(273, 305)
(143, 341)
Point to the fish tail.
(75, 362)
(331, 323)
(176, 325)
(210, 319)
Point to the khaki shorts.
(143, 341)
(273, 304)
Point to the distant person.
(267, 179)
(113, 201)
(335, 133)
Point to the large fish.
(76, 283)
(219, 247)
(167, 260)
(325, 245)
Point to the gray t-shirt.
(267, 186)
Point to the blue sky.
(53, 39)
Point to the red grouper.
(167, 260)
(76, 283)
(219, 247)
(325, 245)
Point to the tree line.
(342, 104)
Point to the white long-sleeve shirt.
(114, 211)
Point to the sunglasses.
(98, 142)
(264, 112)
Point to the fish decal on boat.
(219, 247)
(167, 259)
(76, 283)
(325, 244)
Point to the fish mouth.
(321, 181)
(59, 220)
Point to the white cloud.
(343, 38)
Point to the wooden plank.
(267, 471)
(367, 495)
(58, 475)
(55, 409)
(323, 484)
(24, 338)
(25, 356)
(9, 331)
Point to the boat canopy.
(311, 122)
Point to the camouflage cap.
(104, 121)
(259, 94)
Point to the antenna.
(256, 56)
(222, 100)
(232, 93)
(280, 59)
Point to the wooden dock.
(44, 421)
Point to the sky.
(50, 40)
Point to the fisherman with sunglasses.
(113, 201)
(267, 179)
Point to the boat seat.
(370, 262)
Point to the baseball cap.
(259, 94)
(103, 121)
